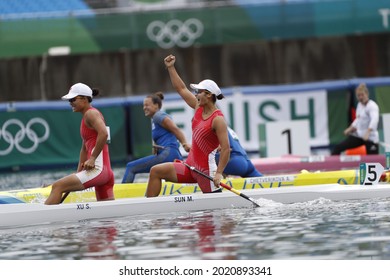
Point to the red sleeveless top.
(89, 136)
(204, 142)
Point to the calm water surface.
(319, 229)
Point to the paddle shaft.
(222, 184)
(64, 197)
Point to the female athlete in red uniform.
(209, 130)
(94, 169)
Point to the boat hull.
(20, 215)
(293, 164)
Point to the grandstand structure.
(119, 45)
(19, 9)
(23, 9)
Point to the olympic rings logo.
(23, 134)
(175, 32)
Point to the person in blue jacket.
(239, 163)
(165, 134)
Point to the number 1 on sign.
(288, 132)
(370, 173)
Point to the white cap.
(208, 85)
(78, 89)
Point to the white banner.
(244, 113)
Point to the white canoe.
(347, 177)
(26, 214)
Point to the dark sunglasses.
(74, 99)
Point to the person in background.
(209, 131)
(239, 163)
(364, 129)
(94, 168)
(165, 136)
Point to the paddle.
(223, 185)
(64, 197)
